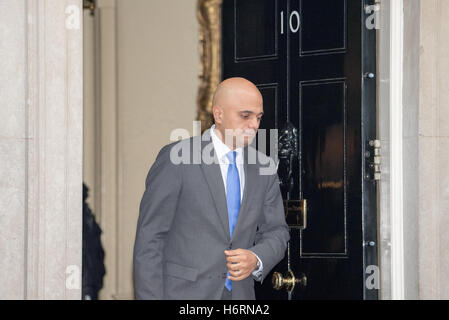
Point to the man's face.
(241, 116)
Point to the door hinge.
(372, 160)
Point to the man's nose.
(254, 124)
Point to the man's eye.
(244, 116)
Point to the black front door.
(310, 59)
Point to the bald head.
(234, 86)
(237, 107)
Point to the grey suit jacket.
(183, 227)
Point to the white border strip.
(396, 177)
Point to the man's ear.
(217, 113)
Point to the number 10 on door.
(294, 22)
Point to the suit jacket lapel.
(212, 173)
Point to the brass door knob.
(288, 281)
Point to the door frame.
(390, 132)
(396, 143)
(369, 133)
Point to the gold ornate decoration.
(90, 5)
(209, 18)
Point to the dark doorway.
(314, 62)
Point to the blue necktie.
(232, 198)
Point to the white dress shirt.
(221, 150)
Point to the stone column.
(434, 150)
(41, 149)
(425, 142)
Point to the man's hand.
(241, 263)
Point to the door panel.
(323, 27)
(323, 176)
(255, 38)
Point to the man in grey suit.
(211, 219)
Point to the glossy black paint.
(313, 79)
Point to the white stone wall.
(410, 123)
(425, 142)
(433, 154)
(13, 133)
(40, 149)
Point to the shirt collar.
(221, 149)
